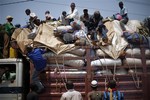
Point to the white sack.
(104, 72)
(134, 51)
(101, 53)
(107, 61)
(148, 62)
(121, 71)
(61, 60)
(78, 52)
(133, 61)
(62, 28)
(137, 52)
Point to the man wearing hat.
(9, 28)
(95, 94)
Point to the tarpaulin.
(117, 42)
(45, 36)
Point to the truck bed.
(132, 88)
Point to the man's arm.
(124, 15)
(70, 16)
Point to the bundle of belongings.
(135, 38)
(69, 34)
(65, 39)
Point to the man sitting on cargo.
(73, 14)
(124, 15)
(95, 21)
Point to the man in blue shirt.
(112, 93)
(35, 54)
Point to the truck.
(81, 64)
(11, 79)
(135, 86)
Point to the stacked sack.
(133, 57)
(60, 59)
(104, 61)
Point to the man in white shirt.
(71, 94)
(48, 16)
(32, 18)
(63, 19)
(73, 13)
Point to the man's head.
(64, 13)
(27, 11)
(111, 84)
(9, 18)
(72, 5)
(94, 84)
(121, 4)
(85, 11)
(96, 14)
(47, 12)
(69, 85)
(47, 15)
(29, 48)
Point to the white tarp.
(117, 42)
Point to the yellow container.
(12, 53)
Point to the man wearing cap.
(95, 94)
(71, 94)
(9, 28)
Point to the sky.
(137, 9)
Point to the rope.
(108, 78)
(106, 75)
(105, 84)
(60, 74)
(134, 75)
(114, 76)
(64, 69)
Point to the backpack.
(117, 95)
